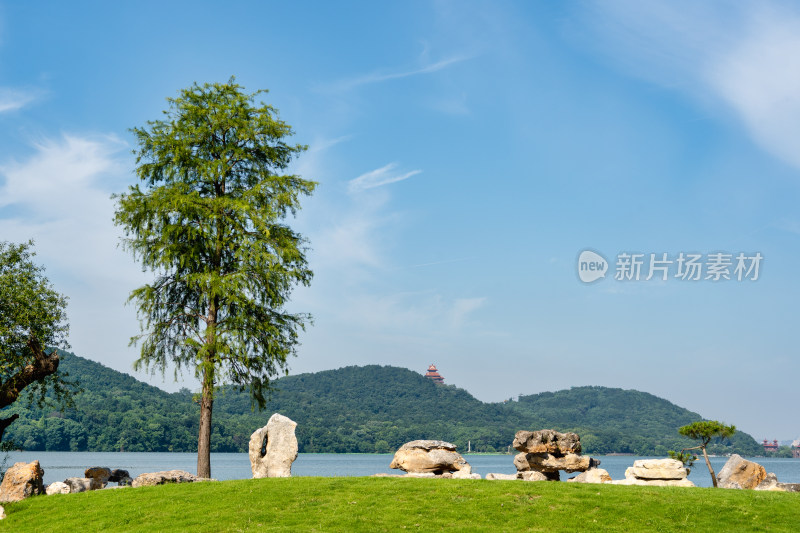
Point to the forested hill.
(352, 409)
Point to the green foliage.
(208, 222)
(32, 318)
(686, 458)
(611, 420)
(387, 504)
(784, 452)
(705, 430)
(354, 409)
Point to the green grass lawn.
(389, 504)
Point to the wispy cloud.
(13, 99)
(378, 177)
(60, 197)
(382, 75)
(744, 55)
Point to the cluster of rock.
(273, 448)
(545, 453)
(739, 473)
(656, 472)
(432, 458)
(26, 479)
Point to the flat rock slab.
(546, 462)
(739, 473)
(657, 469)
(547, 441)
(21, 481)
(167, 476)
(428, 445)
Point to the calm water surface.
(60, 465)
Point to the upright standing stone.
(22, 481)
(273, 448)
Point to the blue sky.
(467, 152)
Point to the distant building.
(796, 449)
(770, 446)
(434, 375)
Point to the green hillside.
(619, 421)
(352, 409)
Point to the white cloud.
(381, 75)
(60, 197)
(745, 55)
(13, 99)
(378, 177)
(760, 79)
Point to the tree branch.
(42, 366)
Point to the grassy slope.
(386, 504)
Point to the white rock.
(501, 477)
(657, 469)
(593, 475)
(273, 448)
(57, 488)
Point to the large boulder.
(160, 478)
(22, 481)
(99, 475)
(273, 448)
(57, 488)
(546, 462)
(121, 477)
(657, 469)
(79, 484)
(547, 441)
(739, 473)
(593, 475)
(436, 456)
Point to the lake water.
(61, 465)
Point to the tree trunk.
(204, 435)
(710, 470)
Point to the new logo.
(591, 266)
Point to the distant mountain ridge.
(352, 409)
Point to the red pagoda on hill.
(770, 447)
(434, 375)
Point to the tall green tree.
(209, 221)
(704, 431)
(33, 323)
